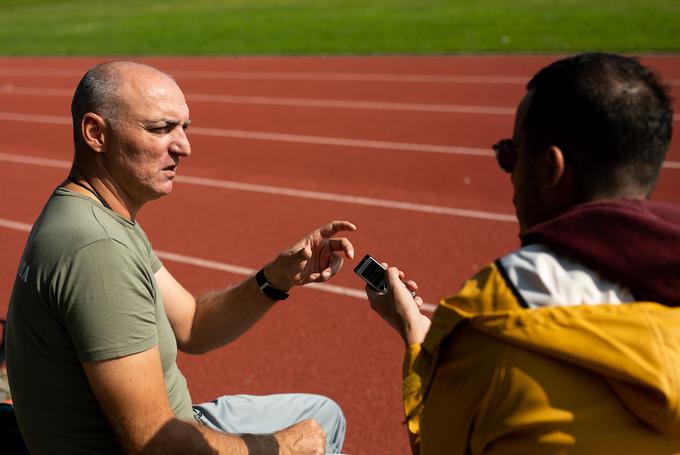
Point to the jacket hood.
(633, 242)
(636, 347)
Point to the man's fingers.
(336, 263)
(333, 267)
(313, 277)
(342, 244)
(411, 285)
(332, 228)
(393, 278)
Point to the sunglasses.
(506, 154)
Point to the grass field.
(80, 27)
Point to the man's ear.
(93, 129)
(555, 166)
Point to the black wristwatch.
(267, 289)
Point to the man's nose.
(181, 144)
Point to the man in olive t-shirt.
(95, 320)
(79, 253)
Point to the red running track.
(398, 145)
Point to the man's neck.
(102, 191)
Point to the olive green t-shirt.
(84, 292)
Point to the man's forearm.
(222, 316)
(180, 437)
(217, 318)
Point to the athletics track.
(398, 145)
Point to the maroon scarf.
(635, 243)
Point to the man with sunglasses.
(572, 342)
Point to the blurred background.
(229, 27)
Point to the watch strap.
(267, 289)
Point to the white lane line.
(293, 75)
(224, 267)
(35, 118)
(8, 89)
(357, 200)
(300, 102)
(304, 194)
(34, 160)
(293, 192)
(303, 102)
(205, 263)
(16, 225)
(352, 104)
(341, 142)
(245, 271)
(11, 89)
(297, 138)
(352, 77)
(280, 137)
(304, 76)
(41, 72)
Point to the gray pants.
(270, 413)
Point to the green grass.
(80, 27)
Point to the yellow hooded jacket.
(494, 377)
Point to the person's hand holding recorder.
(399, 308)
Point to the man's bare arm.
(216, 318)
(212, 319)
(131, 392)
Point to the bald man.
(95, 320)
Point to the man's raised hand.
(315, 258)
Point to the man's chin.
(163, 190)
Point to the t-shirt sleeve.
(106, 298)
(156, 263)
(154, 260)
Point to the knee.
(333, 409)
(335, 426)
